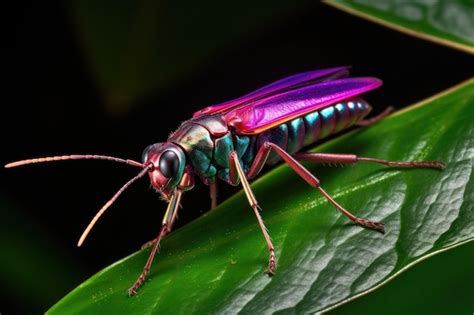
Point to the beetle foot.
(271, 263)
(378, 226)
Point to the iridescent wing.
(280, 86)
(277, 109)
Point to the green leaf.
(216, 264)
(137, 48)
(445, 22)
(440, 285)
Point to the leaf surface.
(424, 289)
(216, 263)
(445, 22)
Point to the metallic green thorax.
(208, 141)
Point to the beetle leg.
(168, 231)
(213, 193)
(373, 120)
(309, 178)
(235, 173)
(149, 243)
(168, 219)
(352, 159)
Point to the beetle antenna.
(110, 202)
(74, 157)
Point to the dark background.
(56, 107)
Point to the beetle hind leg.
(375, 119)
(378, 226)
(262, 156)
(352, 159)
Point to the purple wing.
(283, 85)
(271, 111)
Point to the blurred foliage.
(137, 48)
(34, 272)
(216, 263)
(447, 22)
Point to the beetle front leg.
(167, 222)
(235, 173)
(260, 159)
(169, 228)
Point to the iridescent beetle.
(233, 140)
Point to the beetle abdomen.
(300, 132)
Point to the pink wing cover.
(283, 85)
(268, 112)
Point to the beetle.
(233, 140)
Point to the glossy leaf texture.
(439, 285)
(446, 22)
(216, 263)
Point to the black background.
(56, 108)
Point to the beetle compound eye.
(169, 164)
(145, 153)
